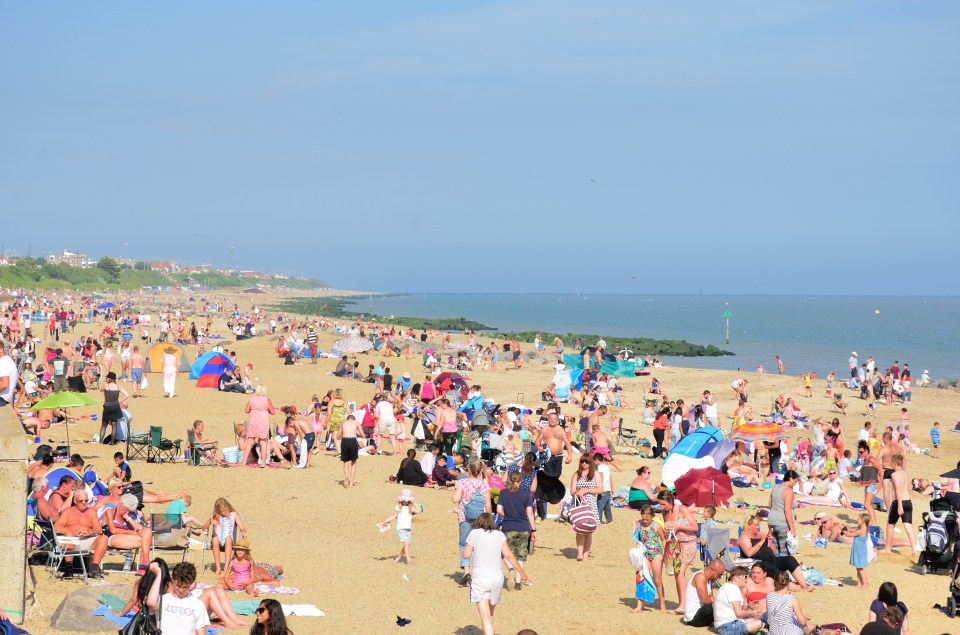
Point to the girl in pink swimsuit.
(240, 573)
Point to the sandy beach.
(325, 537)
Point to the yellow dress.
(338, 414)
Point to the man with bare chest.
(349, 449)
(558, 441)
(901, 506)
(887, 452)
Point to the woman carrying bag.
(585, 486)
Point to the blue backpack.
(474, 506)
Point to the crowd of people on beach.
(502, 463)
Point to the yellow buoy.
(877, 311)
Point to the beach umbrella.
(65, 400)
(106, 305)
(455, 378)
(951, 474)
(704, 486)
(757, 431)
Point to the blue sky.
(733, 147)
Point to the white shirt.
(864, 435)
(604, 470)
(723, 604)
(384, 411)
(691, 601)
(8, 368)
(487, 547)
(182, 616)
(427, 463)
(710, 410)
(404, 517)
(169, 363)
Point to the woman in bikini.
(758, 585)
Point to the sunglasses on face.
(261, 609)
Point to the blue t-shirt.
(175, 511)
(515, 510)
(935, 435)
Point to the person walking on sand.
(901, 506)
(486, 546)
(472, 500)
(349, 449)
(558, 441)
(779, 365)
(136, 370)
(169, 366)
(403, 513)
(386, 421)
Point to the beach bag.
(474, 506)
(582, 518)
(672, 555)
(814, 577)
(419, 430)
(231, 455)
(143, 383)
(638, 556)
(143, 623)
(646, 592)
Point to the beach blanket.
(853, 505)
(249, 607)
(278, 589)
(240, 607)
(122, 620)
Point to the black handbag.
(143, 623)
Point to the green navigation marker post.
(728, 315)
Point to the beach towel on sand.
(278, 589)
(122, 620)
(853, 505)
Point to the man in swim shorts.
(901, 507)
(888, 450)
(136, 370)
(349, 449)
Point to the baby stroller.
(484, 418)
(491, 445)
(941, 535)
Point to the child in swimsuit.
(240, 573)
(224, 519)
(650, 536)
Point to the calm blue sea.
(810, 333)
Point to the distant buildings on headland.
(82, 261)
